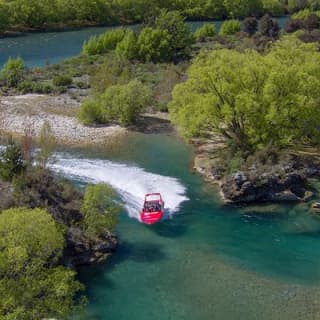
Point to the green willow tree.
(32, 285)
(250, 99)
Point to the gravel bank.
(27, 113)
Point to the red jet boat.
(153, 208)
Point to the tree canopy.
(32, 286)
(251, 99)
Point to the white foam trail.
(132, 183)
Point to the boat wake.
(131, 183)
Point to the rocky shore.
(280, 182)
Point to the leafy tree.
(11, 163)
(206, 31)
(99, 209)
(250, 25)
(13, 72)
(250, 99)
(154, 45)
(4, 16)
(123, 103)
(230, 27)
(32, 286)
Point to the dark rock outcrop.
(82, 250)
(268, 187)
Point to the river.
(39, 49)
(205, 261)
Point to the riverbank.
(283, 177)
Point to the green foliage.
(127, 47)
(206, 31)
(179, 32)
(251, 99)
(31, 285)
(106, 42)
(29, 86)
(13, 72)
(230, 27)
(62, 80)
(119, 103)
(90, 112)
(123, 103)
(11, 162)
(240, 8)
(99, 210)
(154, 45)
(273, 7)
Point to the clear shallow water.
(207, 261)
(39, 49)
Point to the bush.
(312, 22)
(127, 47)
(230, 27)
(154, 45)
(62, 81)
(250, 25)
(11, 163)
(99, 210)
(206, 31)
(13, 72)
(29, 86)
(90, 112)
(104, 43)
(293, 25)
(269, 27)
(123, 103)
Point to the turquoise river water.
(204, 261)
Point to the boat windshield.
(152, 207)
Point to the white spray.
(132, 183)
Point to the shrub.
(127, 47)
(312, 22)
(206, 31)
(90, 112)
(62, 81)
(13, 72)
(29, 86)
(123, 103)
(11, 163)
(104, 43)
(154, 45)
(99, 210)
(250, 25)
(269, 27)
(230, 27)
(293, 25)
